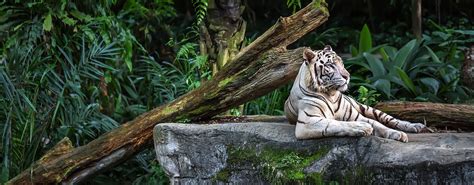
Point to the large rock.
(264, 153)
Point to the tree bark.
(452, 116)
(416, 18)
(222, 35)
(467, 69)
(257, 69)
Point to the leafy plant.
(414, 71)
(270, 104)
(293, 4)
(367, 97)
(200, 7)
(77, 69)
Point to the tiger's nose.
(345, 76)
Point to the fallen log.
(439, 115)
(259, 68)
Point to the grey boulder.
(269, 153)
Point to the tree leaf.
(384, 55)
(48, 23)
(6, 136)
(69, 21)
(354, 51)
(408, 83)
(376, 66)
(128, 54)
(431, 83)
(384, 86)
(432, 55)
(365, 39)
(404, 53)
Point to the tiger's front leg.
(311, 124)
(381, 130)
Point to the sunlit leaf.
(48, 23)
(365, 39)
(128, 54)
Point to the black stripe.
(350, 114)
(349, 100)
(291, 105)
(384, 116)
(299, 121)
(325, 130)
(357, 116)
(307, 93)
(314, 115)
(343, 117)
(375, 115)
(329, 107)
(314, 95)
(338, 103)
(362, 108)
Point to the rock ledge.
(267, 153)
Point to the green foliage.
(413, 72)
(293, 4)
(200, 8)
(367, 97)
(333, 36)
(270, 104)
(365, 39)
(77, 69)
(194, 67)
(156, 176)
(42, 99)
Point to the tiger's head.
(326, 71)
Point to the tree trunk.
(222, 35)
(467, 69)
(416, 18)
(453, 116)
(257, 69)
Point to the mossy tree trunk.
(222, 34)
(257, 69)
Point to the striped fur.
(319, 109)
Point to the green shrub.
(413, 72)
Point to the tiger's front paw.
(362, 129)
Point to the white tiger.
(319, 109)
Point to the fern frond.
(200, 7)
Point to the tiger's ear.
(308, 55)
(328, 48)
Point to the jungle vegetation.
(78, 69)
